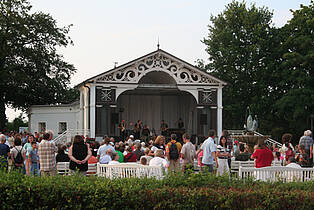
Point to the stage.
(151, 106)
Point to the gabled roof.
(183, 72)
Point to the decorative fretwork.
(208, 97)
(182, 73)
(105, 96)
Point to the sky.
(109, 31)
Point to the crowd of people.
(37, 154)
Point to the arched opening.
(156, 97)
(151, 105)
(157, 77)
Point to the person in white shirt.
(115, 158)
(209, 151)
(102, 151)
(223, 153)
(159, 160)
(292, 163)
(293, 176)
(106, 158)
(148, 158)
(188, 153)
(130, 140)
(286, 140)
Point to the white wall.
(52, 115)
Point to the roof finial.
(158, 44)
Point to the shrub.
(193, 191)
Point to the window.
(62, 127)
(41, 127)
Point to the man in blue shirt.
(102, 151)
(209, 151)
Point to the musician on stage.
(164, 128)
(180, 124)
(138, 129)
(130, 129)
(122, 127)
(146, 133)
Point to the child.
(34, 159)
(276, 152)
(143, 161)
(200, 157)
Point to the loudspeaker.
(114, 118)
(203, 119)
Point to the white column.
(219, 111)
(81, 115)
(86, 110)
(92, 105)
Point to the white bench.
(235, 164)
(63, 168)
(127, 170)
(277, 173)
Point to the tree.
(16, 123)
(268, 68)
(239, 43)
(32, 72)
(297, 97)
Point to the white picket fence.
(63, 168)
(134, 170)
(128, 170)
(277, 173)
(235, 164)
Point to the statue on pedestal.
(251, 124)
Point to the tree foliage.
(297, 84)
(237, 47)
(267, 68)
(32, 72)
(16, 123)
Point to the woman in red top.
(263, 155)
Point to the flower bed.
(195, 191)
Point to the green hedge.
(194, 191)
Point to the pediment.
(182, 72)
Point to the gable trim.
(183, 72)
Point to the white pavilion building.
(157, 86)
